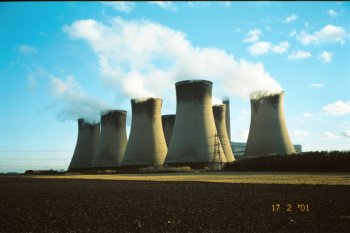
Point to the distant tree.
(318, 161)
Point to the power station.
(112, 142)
(197, 136)
(268, 132)
(194, 141)
(88, 135)
(226, 102)
(168, 122)
(219, 112)
(146, 145)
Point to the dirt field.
(223, 177)
(72, 205)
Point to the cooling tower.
(88, 135)
(194, 141)
(112, 142)
(146, 145)
(219, 112)
(168, 122)
(226, 102)
(268, 132)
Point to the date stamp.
(300, 207)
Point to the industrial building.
(112, 142)
(88, 135)
(198, 136)
(195, 141)
(146, 145)
(268, 132)
(226, 102)
(219, 112)
(168, 122)
(238, 148)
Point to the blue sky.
(64, 60)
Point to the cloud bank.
(145, 59)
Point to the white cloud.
(293, 33)
(26, 49)
(346, 134)
(338, 108)
(299, 55)
(328, 34)
(253, 35)
(167, 5)
(281, 47)
(121, 6)
(259, 48)
(264, 47)
(330, 136)
(326, 57)
(308, 114)
(290, 18)
(76, 104)
(300, 133)
(150, 67)
(332, 13)
(316, 85)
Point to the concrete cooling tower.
(88, 135)
(219, 112)
(168, 122)
(112, 143)
(268, 132)
(226, 102)
(146, 145)
(194, 141)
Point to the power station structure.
(226, 102)
(197, 136)
(112, 142)
(268, 132)
(168, 122)
(194, 141)
(146, 145)
(219, 112)
(88, 135)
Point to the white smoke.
(141, 100)
(262, 93)
(75, 103)
(145, 59)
